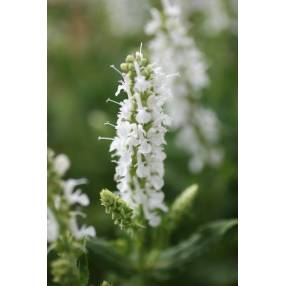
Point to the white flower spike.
(63, 195)
(176, 51)
(140, 131)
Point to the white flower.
(219, 15)
(52, 227)
(140, 131)
(61, 164)
(62, 201)
(75, 196)
(80, 232)
(175, 50)
(125, 17)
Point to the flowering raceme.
(64, 235)
(140, 130)
(178, 54)
(219, 15)
(62, 196)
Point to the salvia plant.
(143, 254)
(150, 92)
(172, 46)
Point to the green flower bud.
(104, 283)
(130, 66)
(120, 212)
(144, 62)
(183, 203)
(124, 67)
(130, 59)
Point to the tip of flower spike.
(129, 59)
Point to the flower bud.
(120, 212)
(183, 203)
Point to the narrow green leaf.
(103, 253)
(178, 257)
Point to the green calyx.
(120, 212)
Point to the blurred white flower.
(219, 15)
(62, 196)
(140, 131)
(80, 232)
(75, 196)
(53, 227)
(175, 50)
(61, 164)
(126, 17)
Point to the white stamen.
(116, 69)
(111, 100)
(105, 138)
(173, 75)
(110, 124)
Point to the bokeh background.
(84, 38)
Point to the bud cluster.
(120, 212)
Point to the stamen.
(173, 75)
(105, 138)
(111, 100)
(108, 123)
(116, 69)
(141, 48)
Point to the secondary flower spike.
(140, 131)
(172, 46)
(63, 195)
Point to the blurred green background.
(83, 42)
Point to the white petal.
(61, 164)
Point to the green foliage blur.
(81, 48)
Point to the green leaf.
(178, 257)
(103, 253)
